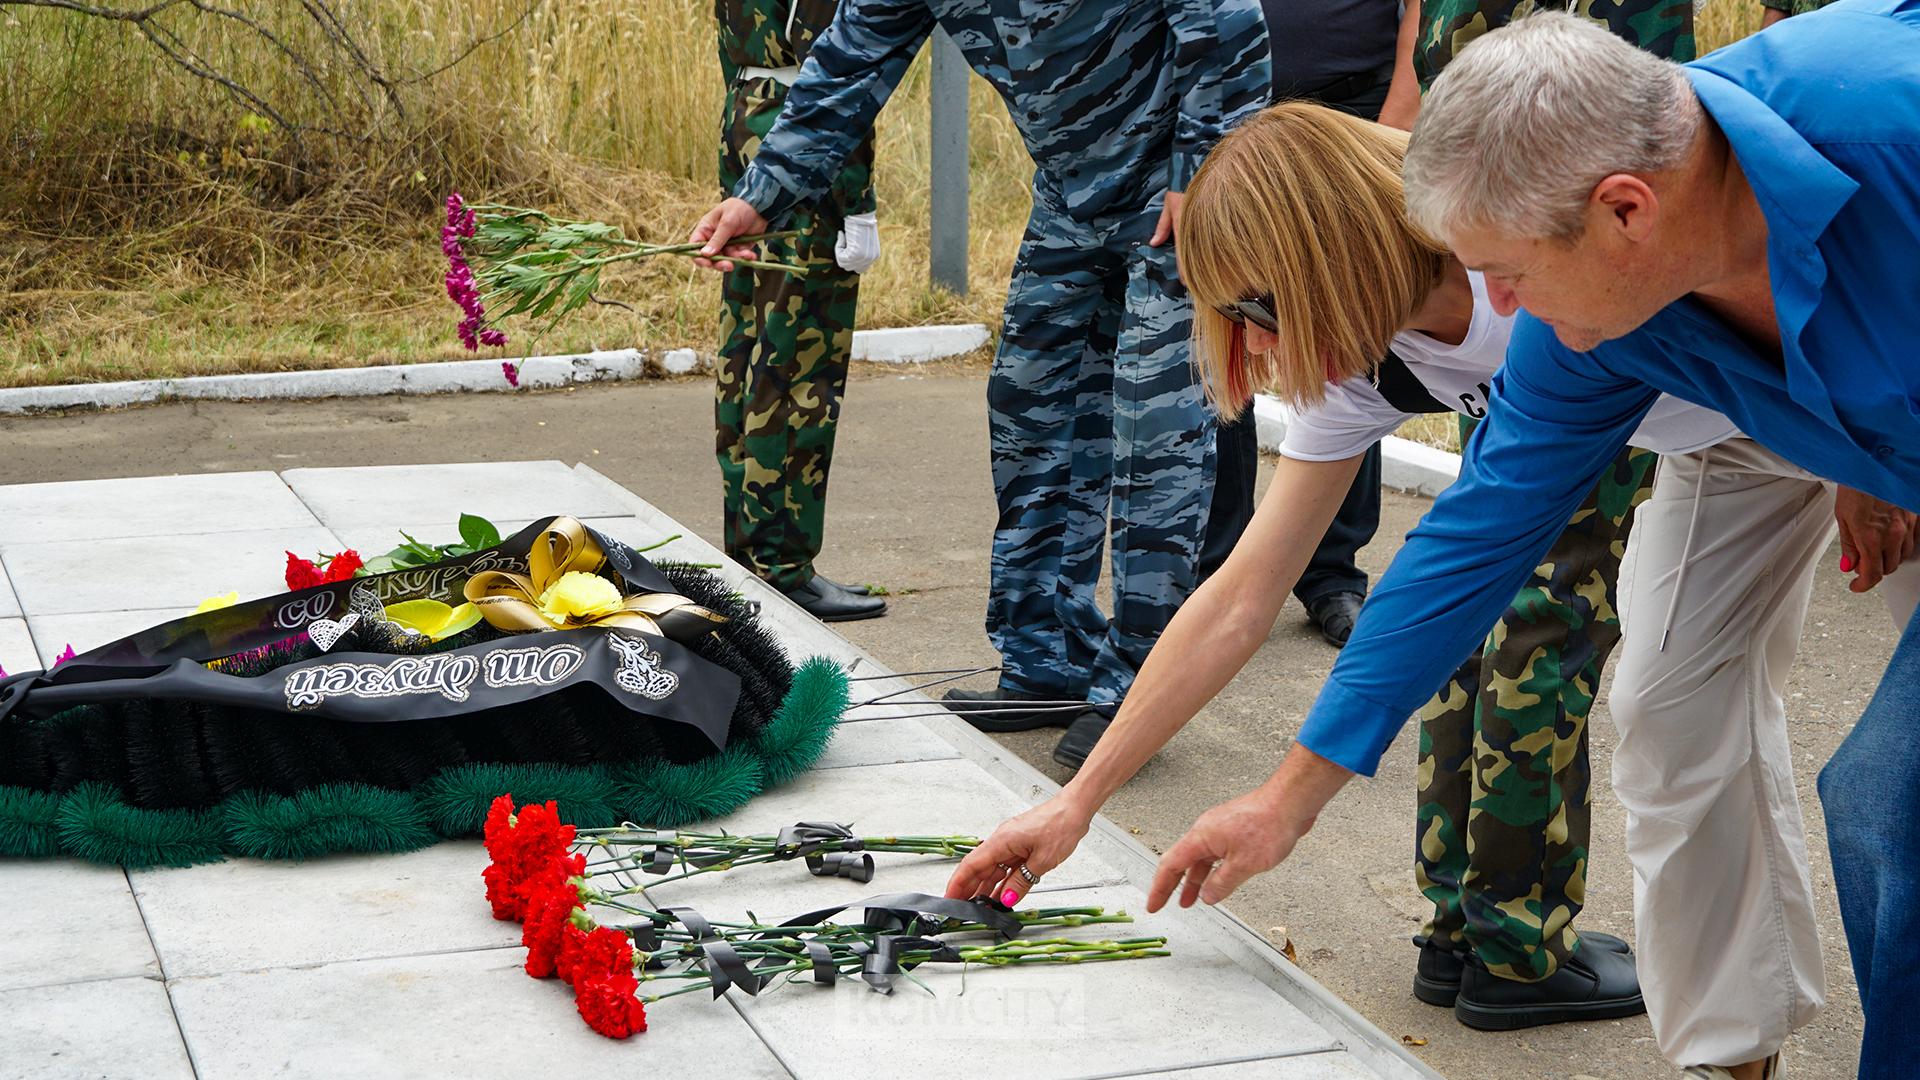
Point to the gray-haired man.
(1739, 233)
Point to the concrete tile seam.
(7, 579)
(160, 964)
(1213, 1063)
(779, 1058)
(82, 981)
(317, 965)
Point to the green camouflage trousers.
(784, 346)
(1504, 804)
(785, 342)
(1662, 27)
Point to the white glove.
(858, 245)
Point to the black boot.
(998, 710)
(1594, 984)
(1335, 614)
(1081, 737)
(1436, 980)
(828, 602)
(857, 590)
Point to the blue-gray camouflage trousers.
(1098, 427)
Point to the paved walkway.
(390, 965)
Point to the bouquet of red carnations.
(539, 875)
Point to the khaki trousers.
(1713, 593)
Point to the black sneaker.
(998, 710)
(1594, 984)
(1436, 980)
(1335, 614)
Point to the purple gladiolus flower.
(461, 225)
(63, 657)
(507, 367)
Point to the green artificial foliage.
(456, 801)
(796, 736)
(322, 820)
(95, 822)
(27, 822)
(669, 795)
(97, 825)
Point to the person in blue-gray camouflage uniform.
(1094, 409)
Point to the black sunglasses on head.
(1257, 310)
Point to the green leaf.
(477, 532)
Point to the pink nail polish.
(1009, 897)
(1846, 564)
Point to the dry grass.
(151, 226)
(154, 229)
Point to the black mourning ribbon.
(908, 918)
(804, 840)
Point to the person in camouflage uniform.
(785, 339)
(1097, 422)
(1662, 27)
(1504, 810)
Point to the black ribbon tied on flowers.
(805, 839)
(909, 916)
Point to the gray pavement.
(911, 509)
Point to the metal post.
(947, 242)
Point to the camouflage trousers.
(1099, 431)
(1504, 802)
(784, 346)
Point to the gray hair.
(1526, 121)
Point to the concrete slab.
(913, 798)
(468, 1015)
(73, 576)
(16, 647)
(345, 907)
(108, 1029)
(69, 921)
(1054, 1020)
(9, 604)
(497, 491)
(91, 629)
(147, 506)
(1336, 1065)
(883, 742)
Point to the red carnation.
(548, 912)
(342, 566)
(529, 855)
(603, 951)
(301, 574)
(573, 941)
(608, 1005)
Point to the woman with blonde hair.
(1305, 271)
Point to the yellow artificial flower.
(215, 603)
(432, 618)
(580, 595)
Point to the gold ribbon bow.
(563, 590)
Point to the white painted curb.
(913, 344)
(918, 344)
(1405, 465)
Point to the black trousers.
(1237, 465)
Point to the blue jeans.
(1871, 792)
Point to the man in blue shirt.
(1098, 424)
(1751, 243)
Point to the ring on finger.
(1031, 877)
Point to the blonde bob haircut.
(1303, 202)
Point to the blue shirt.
(1823, 114)
(1117, 100)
